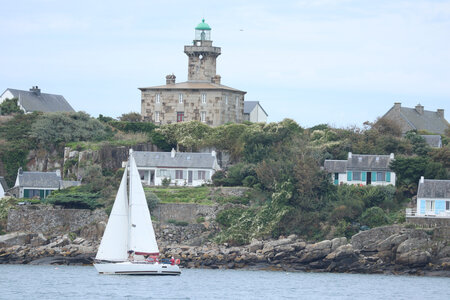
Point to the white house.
(182, 168)
(433, 198)
(361, 169)
(39, 184)
(254, 112)
(34, 100)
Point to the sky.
(339, 62)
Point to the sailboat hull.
(137, 268)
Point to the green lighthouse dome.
(203, 26)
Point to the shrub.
(78, 200)
(374, 217)
(152, 199)
(165, 181)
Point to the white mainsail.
(114, 246)
(142, 238)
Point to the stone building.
(417, 118)
(202, 97)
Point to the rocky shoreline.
(384, 250)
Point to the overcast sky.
(340, 62)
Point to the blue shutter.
(349, 175)
(374, 176)
(363, 176)
(26, 193)
(388, 176)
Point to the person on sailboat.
(130, 255)
(172, 261)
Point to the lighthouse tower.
(202, 55)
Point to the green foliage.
(131, 117)
(55, 128)
(199, 195)
(71, 198)
(178, 223)
(235, 176)
(129, 126)
(152, 199)
(419, 145)
(374, 217)
(10, 106)
(200, 219)
(165, 182)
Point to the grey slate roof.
(369, 162)
(431, 188)
(39, 179)
(335, 166)
(359, 162)
(433, 140)
(181, 160)
(44, 102)
(429, 120)
(250, 105)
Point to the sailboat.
(129, 236)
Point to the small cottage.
(177, 168)
(35, 100)
(254, 112)
(39, 184)
(433, 198)
(361, 169)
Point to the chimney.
(58, 173)
(170, 79)
(216, 79)
(213, 153)
(172, 153)
(397, 105)
(440, 113)
(36, 90)
(20, 171)
(422, 180)
(391, 156)
(419, 109)
(349, 155)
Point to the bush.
(10, 106)
(374, 217)
(77, 200)
(152, 199)
(165, 181)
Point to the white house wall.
(343, 180)
(6, 95)
(257, 115)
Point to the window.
(178, 174)
(201, 175)
(429, 206)
(447, 205)
(156, 116)
(158, 98)
(203, 116)
(356, 175)
(203, 98)
(180, 116)
(381, 176)
(226, 100)
(180, 98)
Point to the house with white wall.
(433, 198)
(182, 168)
(361, 169)
(254, 112)
(39, 184)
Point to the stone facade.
(202, 98)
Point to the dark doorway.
(369, 178)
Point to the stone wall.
(220, 106)
(429, 222)
(46, 219)
(184, 212)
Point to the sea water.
(77, 282)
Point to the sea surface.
(78, 282)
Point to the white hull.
(137, 268)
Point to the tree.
(130, 117)
(10, 106)
(55, 128)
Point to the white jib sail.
(114, 246)
(142, 236)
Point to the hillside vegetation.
(281, 161)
